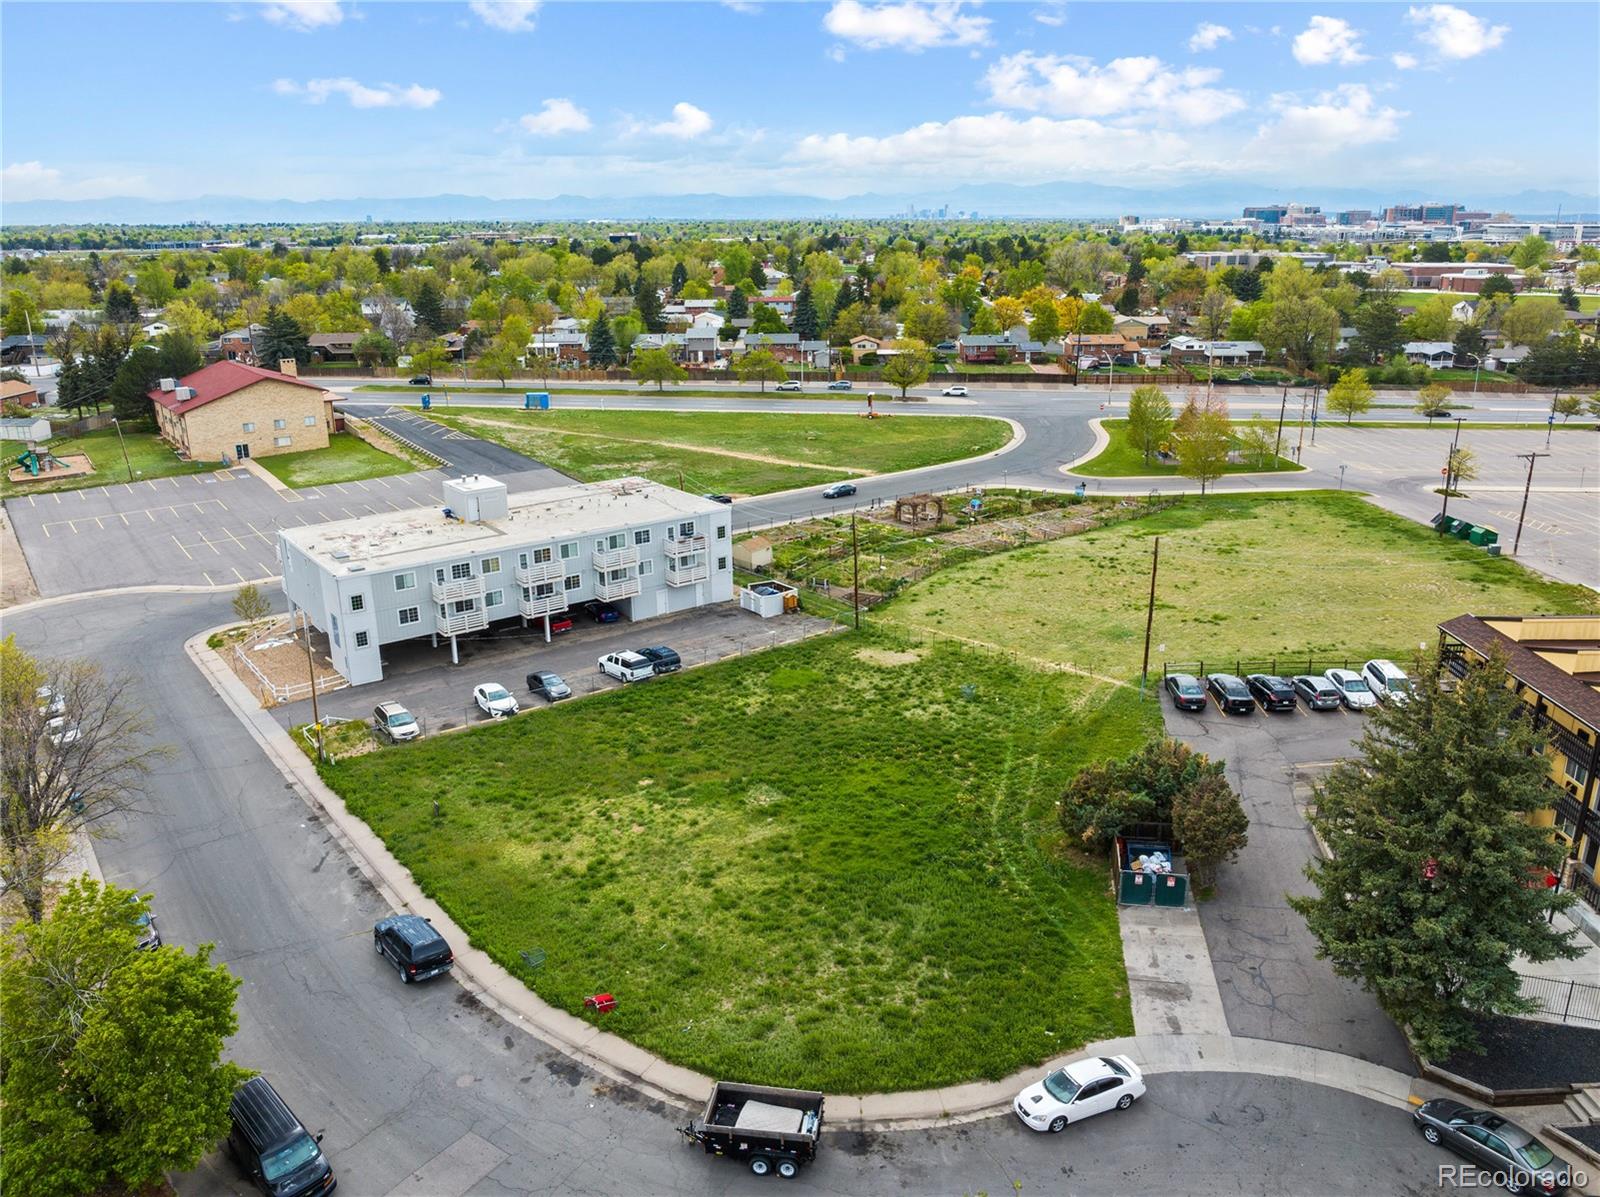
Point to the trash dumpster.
(1463, 529)
(1135, 889)
(1172, 889)
(1484, 537)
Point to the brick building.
(229, 409)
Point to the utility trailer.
(773, 1130)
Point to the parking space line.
(57, 498)
(352, 515)
(224, 507)
(207, 577)
(125, 524)
(46, 528)
(181, 549)
(385, 486)
(371, 510)
(83, 495)
(240, 576)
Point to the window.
(722, 563)
(646, 568)
(1577, 771)
(494, 598)
(569, 550)
(409, 615)
(616, 540)
(280, 424)
(544, 590)
(522, 561)
(361, 640)
(617, 575)
(438, 574)
(641, 536)
(462, 606)
(572, 582)
(460, 570)
(281, 442)
(358, 602)
(686, 529)
(405, 581)
(542, 556)
(310, 421)
(722, 531)
(249, 427)
(491, 565)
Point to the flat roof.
(422, 536)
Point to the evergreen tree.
(1496, 284)
(846, 296)
(1128, 301)
(430, 310)
(1246, 286)
(1470, 343)
(758, 276)
(121, 307)
(69, 387)
(680, 275)
(647, 303)
(806, 321)
(380, 259)
(602, 343)
(181, 280)
(1377, 329)
(738, 305)
(282, 338)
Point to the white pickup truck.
(627, 667)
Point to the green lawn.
(831, 865)
(347, 458)
(1122, 459)
(148, 455)
(448, 397)
(1246, 576)
(701, 451)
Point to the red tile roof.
(219, 379)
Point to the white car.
(1080, 1091)
(494, 700)
(1353, 689)
(1387, 680)
(958, 390)
(50, 703)
(61, 733)
(627, 667)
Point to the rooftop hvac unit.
(183, 394)
(169, 384)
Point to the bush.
(1105, 797)
(1209, 820)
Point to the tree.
(380, 259)
(1204, 436)
(908, 368)
(429, 359)
(1104, 797)
(61, 778)
(1299, 323)
(1469, 342)
(1128, 300)
(154, 283)
(1593, 404)
(1351, 395)
(1216, 305)
(647, 303)
(374, 349)
(928, 320)
(112, 1059)
(680, 275)
(1461, 465)
(767, 320)
(1565, 406)
(760, 366)
(500, 361)
(250, 605)
(1258, 444)
(806, 321)
(984, 323)
(121, 307)
(739, 305)
(1433, 885)
(602, 343)
(1431, 321)
(1532, 319)
(1094, 320)
(1209, 820)
(173, 356)
(186, 316)
(281, 339)
(657, 366)
(1532, 252)
(429, 309)
(1431, 398)
(1046, 325)
(1378, 332)
(1496, 284)
(1149, 418)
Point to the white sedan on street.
(1079, 1091)
(494, 700)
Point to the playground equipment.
(37, 460)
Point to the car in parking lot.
(1232, 695)
(1318, 692)
(839, 490)
(1353, 689)
(1387, 681)
(395, 722)
(1187, 692)
(602, 612)
(627, 667)
(415, 948)
(494, 700)
(549, 686)
(1514, 1158)
(662, 659)
(1272, 692)
(560, 621)
(1078, 1091)
(957, 390)
(788, 384)
(60, 733)
(50, 703)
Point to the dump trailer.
(773, 1130)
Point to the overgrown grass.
(347, 458)
(834, 864)
(1121, 458)
(1246, 576)
(723, 451)
(148, 457)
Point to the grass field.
(832, 865)
(347, 458)
(459, 396)
(148, 454)
(733, 452)
(1122, 459)
(1246, 576)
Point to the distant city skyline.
(308, 100)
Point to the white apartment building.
(489, 557)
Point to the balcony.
(687, 573)
(620, 588)
(545, 571)
(685, 546)
(623, 558)
(454, 623)
(542, 604)
(457, 589)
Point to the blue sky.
(308, 99)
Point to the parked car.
(394, 721)
(1387, 680)
(957, 390)
(422, 380)
(494, 700)
(145, 924)
(662, 659)
(277, 1153)
(788, 384)
(1501, 1147)
(414, 947)
(840, 384)
(549, 686)
(560, 621)
(1272, 692)
(627, 667)
(1436, 413)
(1080, 1091)
(720, 498)
(1187, 692)
(602, 612)
(1353, 689)
(1318, 692)
(61, 733)
(1232, 695)
(50, 703)
(839, 490)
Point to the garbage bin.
(1463, 529)
(536, 400)
(1172, 889)
(1485, 537)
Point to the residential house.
(1505, 357)
(156, 328)
(782, 304)
(571, 348)
(23, 348)
(375, 307)
(671, 342)
(18, 394)
(1220, 353)
(232, 410)
(238, 344)
(59, 319)
(1147, 330)
(1464, 310)
(1015, 346)
(333, 347)
(1440, 355)
(786, 347)
(701, 341)
(863, 344)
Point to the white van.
(1387, 680)
(627, 667)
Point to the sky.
(318, 99)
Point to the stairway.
(1584, 1103)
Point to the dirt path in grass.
(635, 440)
(1042, 663)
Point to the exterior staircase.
(1584, 1103)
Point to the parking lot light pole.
(311, 670)
(117, 424)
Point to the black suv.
(1187, 692)
(276, 1152)
(1273, 693)
(662, 659)
(1232, 695)
(418, 951)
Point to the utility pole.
(1277, 445)
(855, 570)
(1527, 486)
(311, 671)
(1150, 612)
(1449, 473)
(117, 424)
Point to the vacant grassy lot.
(734, 452)
(347, 458)
(832, 865)
(148, 454)
(1122, 459)
(1239, 576)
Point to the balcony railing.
(622, 558)
(687, 574)
(685, 546)
(542, 604)
(453, 623)
(541, 571)
(621, 588)
(458, 588)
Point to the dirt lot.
(16, 580)
(278, 654)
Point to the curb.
(118, 591)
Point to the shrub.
(1105, 797)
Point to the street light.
(117, 424)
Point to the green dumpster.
(1136, 888)
(1485, 537)
(1172, 889)
(1448, 525)
(1463, 529)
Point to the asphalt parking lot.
(1272, 984)
(439, 694)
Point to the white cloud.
(361, 95)
(1455, 33)
(557, 116)
(1070, 86)
(34, 180)
(908, 25)
(748, 7)
(508, 16)
(1328, 39)
(1335, 120)
(687, 121)
(1053, 13)
(1404, 61)
(1207, 36)
(303, 15)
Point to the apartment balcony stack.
(541, 571)
(531, 603)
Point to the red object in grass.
(602, 1003)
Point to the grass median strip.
(1121, 458)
